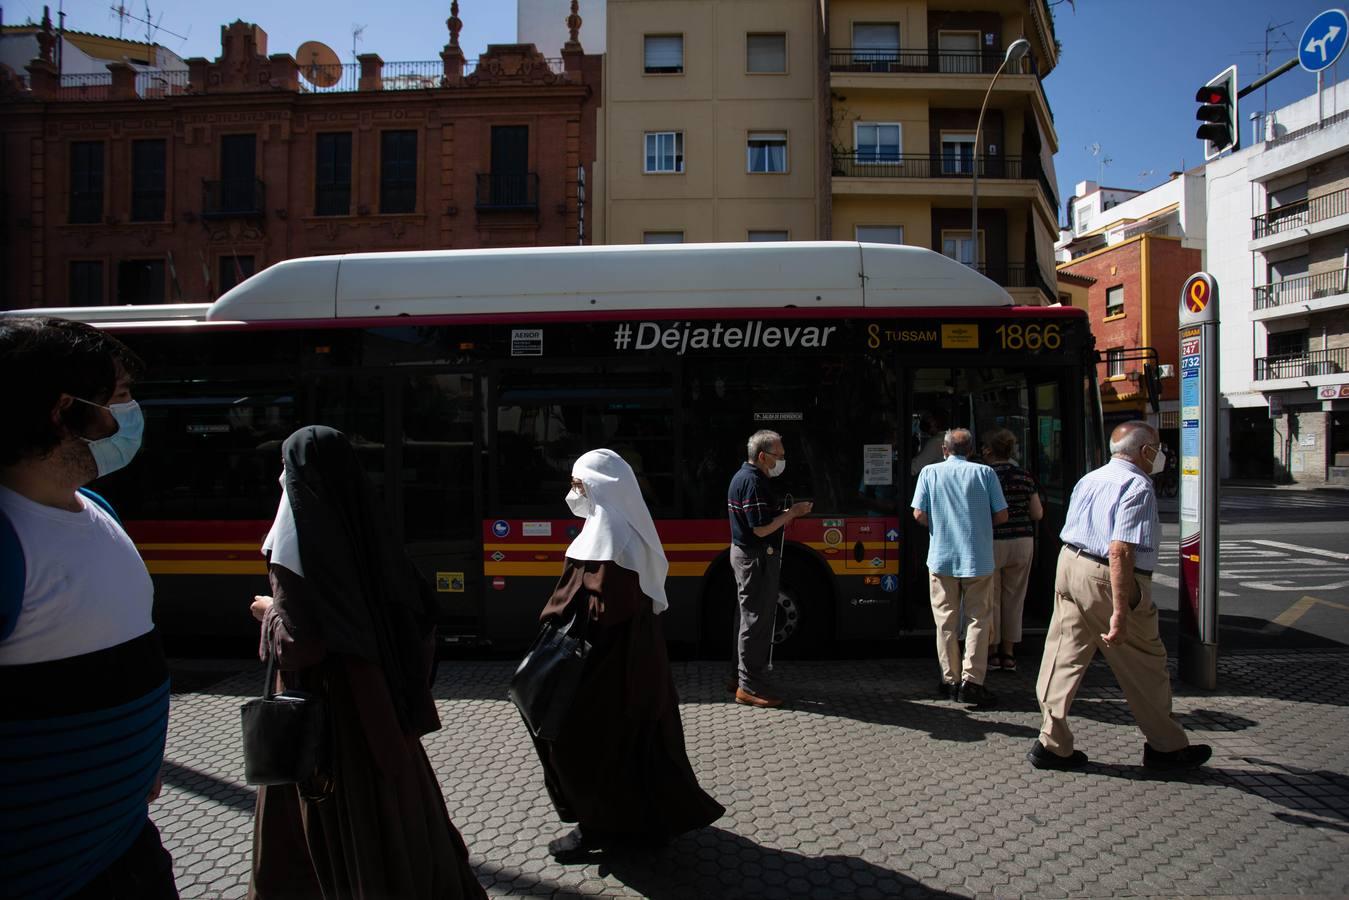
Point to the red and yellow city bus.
(469, 381)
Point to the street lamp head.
(1016, 50)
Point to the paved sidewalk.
(869, 787)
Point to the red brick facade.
(452, 129)
(1167, 265)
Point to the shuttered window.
(766, 54)
(664, 54)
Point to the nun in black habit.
(349, 619)
(619, 768)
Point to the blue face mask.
(119, 448)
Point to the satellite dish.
(319, 64)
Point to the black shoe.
(1042, 757)
(1191, 757)
(947, 691)
(972, 694)
(572, 847)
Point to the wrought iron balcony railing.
(924, 59)
(1302, 288)
(881, 164)
(516, 190)
(233, 197)
(1303, 365)
(1300, 214)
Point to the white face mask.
(778, 468)
(1158, 461)
(580, 503)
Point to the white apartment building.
(1278, 244)
(1103, 217)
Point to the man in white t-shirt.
(81, 669)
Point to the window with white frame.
(768, 236)
(958, 246)
(957, 153)
(766, 54)
(662, 237)
(1114, 362)
(1114, 301)
(664, 152)
(663, 54)
(875, 41)
(766, 152)
(880, 234)
(876, 142)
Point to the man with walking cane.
(756, 560)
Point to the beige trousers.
(1082, 611)
(946, 591)
(1011, 573)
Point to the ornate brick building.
(143, 187)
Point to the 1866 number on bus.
(1031, 336)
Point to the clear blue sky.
(1126, 80)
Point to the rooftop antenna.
(123, 15)
(356, 32)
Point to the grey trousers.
(756, 580)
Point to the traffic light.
(1218, 113)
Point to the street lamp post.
(1015, 51)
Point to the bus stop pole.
(1199, 490)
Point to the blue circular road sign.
(1323, 40)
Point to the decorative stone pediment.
(513, 64)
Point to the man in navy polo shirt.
(756, 536)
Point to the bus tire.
(803, 623)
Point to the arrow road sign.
(1323, 40)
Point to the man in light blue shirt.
(1103, 601)
(959, 502)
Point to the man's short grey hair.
(1129, 438)
(958, 442)
(762, 442)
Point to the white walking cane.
(782, 544)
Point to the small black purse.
(285, 735)
(545, 682)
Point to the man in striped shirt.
(1103, 601)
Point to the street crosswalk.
(1265, 565)
(1286, 500)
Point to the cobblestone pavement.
(867, 786)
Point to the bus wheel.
(805, 623)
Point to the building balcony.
(855, 165)
(1301, 295)
(1301, 214)
(233, 197)
(505, 192)
(924, 60)
(1325, 366)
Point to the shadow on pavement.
(1116, 712)
(202, 784)
(942, 720)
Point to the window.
(664, 152)
(238, 174)
(880, 234)
(875, 41)
(1286, 343)
(766, 54)
(147, 181)
(1114, 362)
(957, 245)
(398, 172)
(332, 174)
(877, 142)
(958, 52)
(768, 236)
(1083, 217)
(86, 283)
(664, 54)
(766, 152)
(233, 270)
(1114, 301)
(510, 184)
(140, 281)
(86, 182)
(662, 237)
(957, 154)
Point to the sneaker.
(972, 694)
(749, 698)
(947, 690)
(1042, 757)
(1191, 757)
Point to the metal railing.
(1303, 132)
(233, 197)
(924, 59)
(864, 164)
(1300, 214)
(412, 76)
(1303, 365)
(1007, 275)
(516, 190)
(340, 78)
(85, 86)
(158, 84)
(1302, 288)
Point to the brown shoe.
(749, 699)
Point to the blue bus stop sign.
(1323, 40)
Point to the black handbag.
(545, 682)
(285, 735)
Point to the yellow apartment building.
(906, 80)
(710, 127)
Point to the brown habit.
(383, 831)
(619, 767)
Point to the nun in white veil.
(619, 769)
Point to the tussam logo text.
(682, 337)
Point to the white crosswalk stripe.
(1285, 500)
(1264, 565)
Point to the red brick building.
(1132, 300)
(114, 193)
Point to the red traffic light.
(1211, 94)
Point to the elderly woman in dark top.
(1013, 546)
